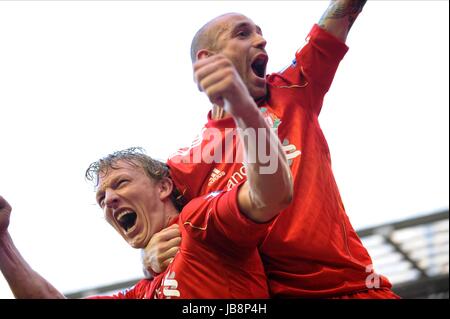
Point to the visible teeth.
(131, 229)
(123, 214)
(127, 220)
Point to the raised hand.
(5, 212)
(218, 78)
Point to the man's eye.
(122, 182)
(243, 33)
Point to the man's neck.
(170, 212)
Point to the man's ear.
(165, 188)
(203, 53)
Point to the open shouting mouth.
(259, 65)
(126, 220)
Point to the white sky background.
(79, 80)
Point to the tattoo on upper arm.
(339, 9)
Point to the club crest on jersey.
(270, 118)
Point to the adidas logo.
(215, 175)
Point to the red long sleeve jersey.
(311, 249)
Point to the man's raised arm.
(340, 16)
(22, 279)
(268, 189)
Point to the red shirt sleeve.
(320, 57)
(138, 291)
(217, 220)
(314, 66)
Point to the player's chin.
(137, 242)
(258, 92)
(139, 238)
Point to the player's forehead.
(119, 168)
(230, 21)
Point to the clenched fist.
(5, 212)
(218, 78)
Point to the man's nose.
(111, 199)
(260, 42)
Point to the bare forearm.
(268, 173)
(22, 279)
(340, 16)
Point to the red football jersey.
(311, 250)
